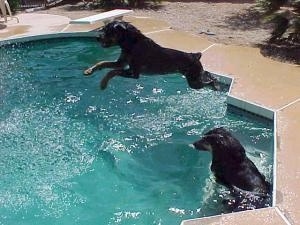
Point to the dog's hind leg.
(108, 76)
(209, 80)
(206, 79)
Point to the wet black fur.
(234, 169)
(141, 55)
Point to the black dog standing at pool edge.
(141, 55)
(233, 169)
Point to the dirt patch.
(221, 21)
(229, 22)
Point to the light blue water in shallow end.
(73, 154)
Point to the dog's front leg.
(111, 74)
(101, 65)
(119, 64)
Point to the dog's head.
(111, 33)
(116, 32)
(222, 145)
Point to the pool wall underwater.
(247, 106)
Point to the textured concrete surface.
(258, 79)
(288, 158)
(269, 216)
(32, 24)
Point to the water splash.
(120, 156)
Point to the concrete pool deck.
(257, 79)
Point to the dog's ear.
(120, 26)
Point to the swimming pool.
(73, 154)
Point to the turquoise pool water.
(73, 154)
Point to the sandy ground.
(221, 21)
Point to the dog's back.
(150, 58)
(144, 56)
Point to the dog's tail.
(197, 55)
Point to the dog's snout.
(100, 33)
(202, 145)
(99, 39)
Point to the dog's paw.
(216, 86)
(88, 72)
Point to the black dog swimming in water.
(141, 55)
(235, 170)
